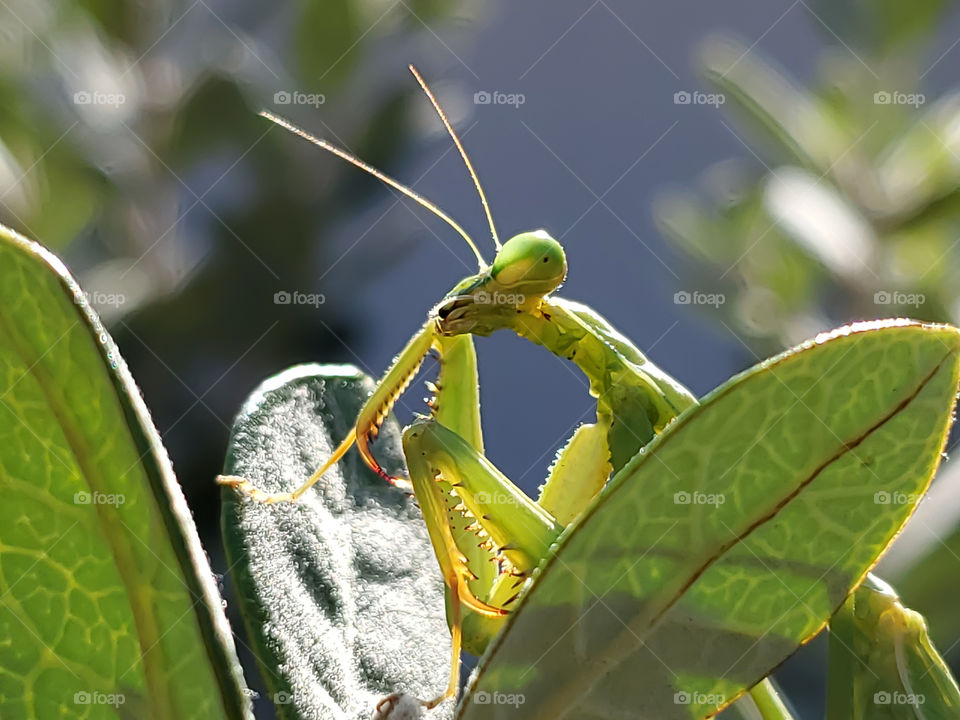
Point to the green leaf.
(733, 537)
(327, 36)
(340, 591)
(881, 27)
(772, 103)
(107, 601)
(821, 221)
(920, 167)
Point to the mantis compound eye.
(532, 263)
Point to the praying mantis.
(464, 498)
(488, 536)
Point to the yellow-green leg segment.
(510, 531)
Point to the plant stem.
(768, 701)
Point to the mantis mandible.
(487, 534)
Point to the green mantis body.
(487, 534)
(635, 400)
(883, 663)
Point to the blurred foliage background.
(824, 187)
(130, 144)
(845, 204)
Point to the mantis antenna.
(354, 160)
(463, 154)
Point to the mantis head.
(531, 264)
(527, 267)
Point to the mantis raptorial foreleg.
(513, 535)
(367, 426)
(519, 530)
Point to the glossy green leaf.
(107, 603)
(340, 591)
(733, 537)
